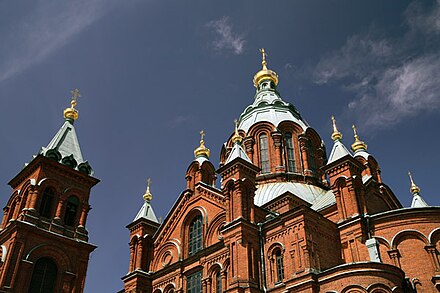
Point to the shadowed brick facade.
(43, 239)
(286, 217)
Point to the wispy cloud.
(390, 78)
(50, 26)
(226, 39)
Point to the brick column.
(277, 139)
(33, 195)
(433, 254)
(304, 155)
(59, 209)
(223, 276)
(395, 255)
(132, 251)
(83, 217)
(249, 147)
(139, 253)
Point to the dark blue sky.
(154, 73)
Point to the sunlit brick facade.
(286, 217)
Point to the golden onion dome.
(71, 113)
(414, 188)
(358, 145)
(336, 135)
(265, 73)
(202, 150)
(148, 196)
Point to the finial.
(236, 138)
(336, 135)
(202, 150)
(71, 113)
(265, 73)
(148, 196)
(414, 188)
(263, 58)
(358, 145)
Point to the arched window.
(218, 282)
(47, 202)
(290, 151)
(71, 211)
(195, 237)
(264, 154)
(194, 283)
(43, 277)
(279, 265)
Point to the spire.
(237, 150)
(358, 145)
(265, 73)
(202, 150)
(146, 210)
(418, 201)
(237, 137)
(148, 196)
(414, 188)
(71, 114)
(336, 135)
(339, 150)
(64, 146)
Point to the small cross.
(354, 130)
(148, 183)
(75, 94)
(236, 124)
(202, 135)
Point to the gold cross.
(202, 134)
(148, 183)
(75, 94)
(263, 54)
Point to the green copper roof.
(64, 148)
(146, 212)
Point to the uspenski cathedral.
(286, 216)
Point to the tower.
(44, 242)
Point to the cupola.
(357, 145)
(265, 73)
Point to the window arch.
(71, 211)
(44, 276)
(195, 235)
(264, 154)
(47, 201)
(290, 152)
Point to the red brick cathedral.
(286, 218)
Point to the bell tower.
(43, 236)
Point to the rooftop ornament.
(148, 196)
(336, 135)
(415, 190)
(265, 73)
(202, 150)
(358, 145)
(71, 113)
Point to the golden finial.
(236, 138)
(414, 188)
(263, 58)
(148, 196)
(72, 113)
(202, 150)
(336, 135)
(265, 73)
(358, 145)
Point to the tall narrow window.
(290, 153)
(218, 282)
(46, 202)
(43, 277)
(312, 165)
(71, 211)
(194, 282)
(279, 265)
(195, 238)
(264, 154)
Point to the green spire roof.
(64, 148)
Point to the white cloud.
(391, 79)
(49, 27)
(226, 39)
